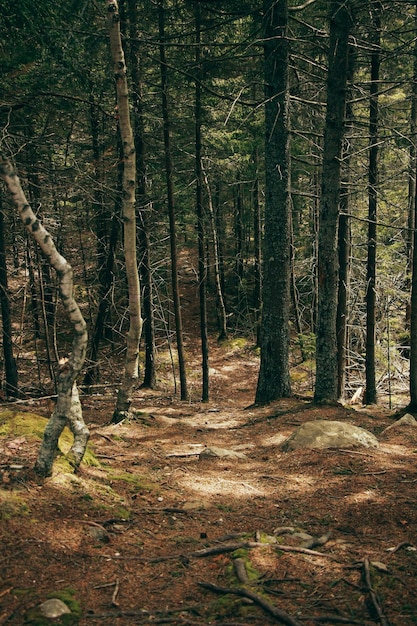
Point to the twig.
(356, 452)
(280, 615)
(331, 619)
(115, 592)
(372, 593)
(403, 544)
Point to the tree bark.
(326, 345)
(370, 396)
(143, 203)
(66, 386)
(344, 251)
(171, 208)
(11, 382)
(131, 373)
(202, 265)
(274, 376)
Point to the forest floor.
(153, 533)
(148, 532)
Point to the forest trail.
(150, 531)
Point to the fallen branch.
(231, 547)
(280, 615)
(115, 592)
(372, 593)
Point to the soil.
(151, 533)
(129, 538)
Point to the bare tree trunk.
(344, 249)
(143, 204)
(326, 345)
(274, 373)
(67, 409)
(257, 238)
(413, 251)
(370, 396)
(221, 307)
(10, 367)
(171, 208)
(202, 265)
(131, 373)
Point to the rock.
(54, 608)
(220, 453)
(406, 420)
(329, 434)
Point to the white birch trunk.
(68, 408)
(124, 397)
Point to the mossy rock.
(38, 615)
(25, 424)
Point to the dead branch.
(115, 592)
(240, 571)
(231, 547)
(280, 615)
(372, 593)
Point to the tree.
(171, 206)
(326, 345)
(68, 408)
(11, 389)
(202, 264)
(131, 373)
(370, 396)
(274, 377)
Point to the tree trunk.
(202, 266)
(344, 249)
(257, 239)
(326, 345)
(143, 204)
(274, 376)
(221, 307)
(171, 207)
(370, 396)
(11, 382)
(66, 410)
(131, 373)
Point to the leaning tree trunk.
(326, 344)
(68, 408)
(131, 373)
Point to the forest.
(208, 228)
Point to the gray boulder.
(405, 420)
(329, 434)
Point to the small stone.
(54, 608)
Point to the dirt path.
(151, 533)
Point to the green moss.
(21, 424)
(18, 424)
(139, 483)
(35, 617)
(12, 505)
(67, 595)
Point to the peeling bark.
(68, 408)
